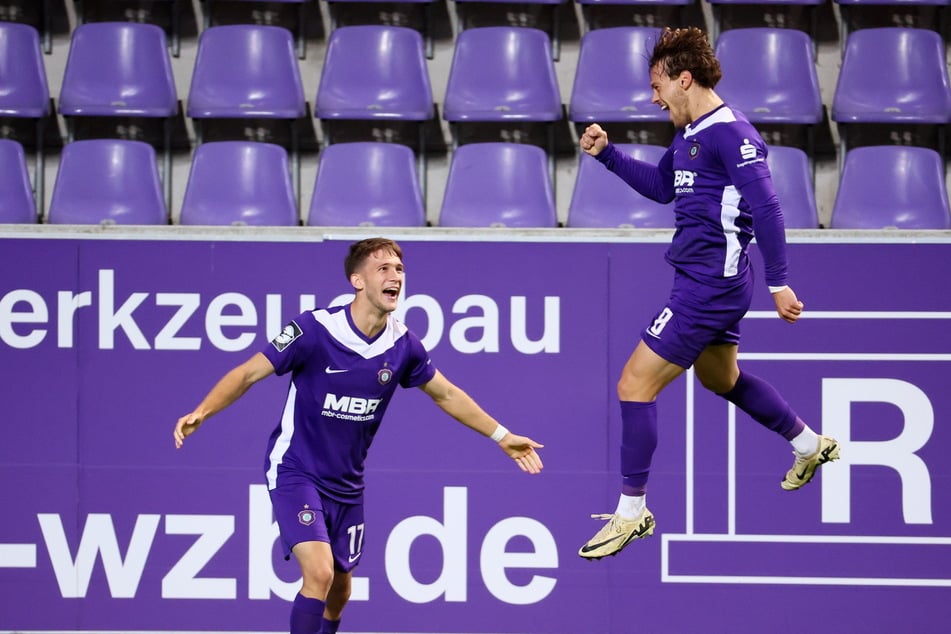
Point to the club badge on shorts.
(307, 516)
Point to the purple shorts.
(698, 315)
(304, 515)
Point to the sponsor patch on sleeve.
(291, 332)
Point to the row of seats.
(490, 185)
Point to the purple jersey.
(341, 384)
(715, 170)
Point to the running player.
(345, 364)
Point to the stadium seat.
(367, 184)
(376, 75)
(599, 14)
(793, 179)
(35, 13)
(722, 11)
(601, 199)
(121, 69)
(263, 13)
(239, 183)
(858, 14)
(896, 76)
(248, 73)
(498, 185)
(108, 181)
(24, 91)
(612, 78)
(770, 75)
(16, 196)
(892, 186)
(503, 75)
(129, 10)
(534, 13)
(359, 12)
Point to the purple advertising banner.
(104, 343)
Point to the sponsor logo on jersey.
(291, 332)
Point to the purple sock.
(306, 615)
(764, 404)
(329, 627)
(638, 441)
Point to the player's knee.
(318, 577)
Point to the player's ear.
(356, 280)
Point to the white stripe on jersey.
(284, 440)
(339, 328)
(723, 115)
(729, 211)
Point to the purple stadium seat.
(465, 8)
(770, 75)
(498, 185)
(850, 12)
(24, 91)
(108, 181)
(719, 6)
(892, 186)
(367, 184)
(334, 6)
(95, 11)
(892, 75)
(612, 79)
(501, 73)
(601, 199)
(120, 69)
(239, 183)
(669, 12)
(376, 73)
(264, 9)
(793, 180)
(16, 196)
(37, 14)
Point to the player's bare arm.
(593, 140)
(455, 402)
(788, 305)
(229, 389)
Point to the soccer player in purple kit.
(345, 364)
(715, 170)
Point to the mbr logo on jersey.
(340, 406)
(683, 181)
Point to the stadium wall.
(109, 334)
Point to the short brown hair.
(678, 50)
(360, 251)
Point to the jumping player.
(715, 170)
(345, 364)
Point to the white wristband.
(499, 433)
(777, 289)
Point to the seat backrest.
(602, 199)
(498, 185)
(793, 180)
(769, 74)
(893, 74)
(373, 71)
(612, 78)
(108, 181)
(239, 183)
(16, 195)
(24, 91)
(118, 69)
(367, 184)
(246, 70)
(501, 73)
(892, 186)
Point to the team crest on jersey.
(307, 516)
(384, 376)
(694, 151)
(291, 332)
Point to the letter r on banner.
(897, 453)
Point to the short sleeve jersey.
(708, 162)
(341, 384)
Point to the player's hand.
(185, 427)
(788, 305)
(522, 451)
(593, 140)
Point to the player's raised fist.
(594, 139)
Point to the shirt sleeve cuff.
(777, 289)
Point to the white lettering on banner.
(124, 572)
(232, 322)
(897, 453)
(182, 582)
(494, 560)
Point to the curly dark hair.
(360, 251)
(678, 50)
